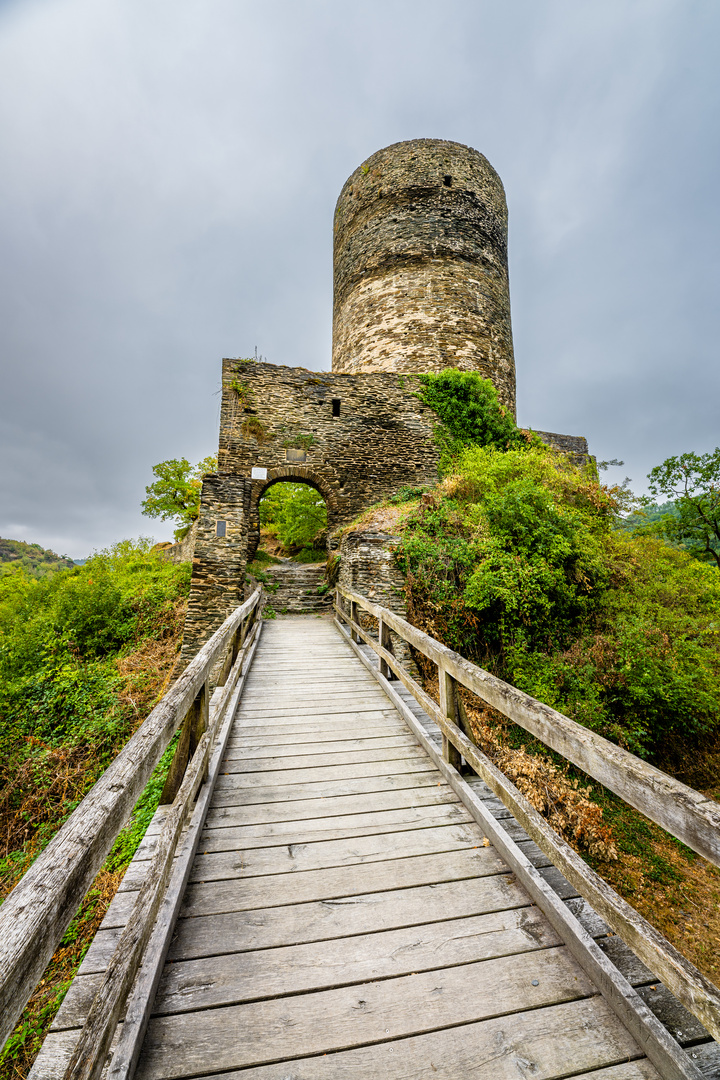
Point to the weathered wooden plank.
(309, 758)
(337, 882)
(324, 855)
(225, 980)
(326, 919)
(296, 858)
(35, 916)
(259, 695)
(316, 774)
(687, 814)
(348, 707)
(291, 858)
(228, 898)
(340, 725)
(338, 828)
(628, 1070)
(221, 980)
(338, 1019)
(282, 746)
(541, 1044)
(324, 789)
(707, 1059)
(329, 807)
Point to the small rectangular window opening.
(220, 528)
(447, 181)
(336, 406)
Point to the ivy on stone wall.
(469, 414)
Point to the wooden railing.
(36, 914)
(684, 813)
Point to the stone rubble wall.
(368, 567)
(183, 550)
(281, 420)
(218, 579)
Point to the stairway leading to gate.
(345, 916)
(297, 588)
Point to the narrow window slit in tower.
(447, 181)
(336, 406)
(220, 528)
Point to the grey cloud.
(167, 195)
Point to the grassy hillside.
(34, 560)
(84, 655)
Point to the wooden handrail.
(38, 911)
(685, 813)
(697, 993)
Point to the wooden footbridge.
(340, 884)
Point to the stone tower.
(420, 265)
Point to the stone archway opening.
(292, 521)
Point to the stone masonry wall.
(420, 265)
(280, 420)
(367, 566)
(218, 579)
(280, 423)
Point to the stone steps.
(297, 588)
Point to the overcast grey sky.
(169, 174)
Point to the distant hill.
(37, 561)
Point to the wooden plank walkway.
(345, 916)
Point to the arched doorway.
(297, 509)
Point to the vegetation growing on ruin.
(469, 414)
(515, 563)
(84, 656)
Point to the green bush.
(515, 563)
(60, 637)
(469, 413)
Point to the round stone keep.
(420, 265)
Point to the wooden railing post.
(385, 642)
(448, 707)
(354, 616)
(193, 728)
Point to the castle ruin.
(420, 284)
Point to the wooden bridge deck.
(345, 916)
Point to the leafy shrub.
(515, 563)
(62, 643)
(469, 412)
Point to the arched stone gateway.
(290, 474)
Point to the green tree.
(175, 492)
(692, 481)
(296, 513)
